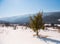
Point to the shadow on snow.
(49, 40)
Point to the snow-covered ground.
(25, 36)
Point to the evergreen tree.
(36, 23)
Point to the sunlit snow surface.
(25, 36)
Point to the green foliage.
(36, 22)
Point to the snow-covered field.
(25, 36)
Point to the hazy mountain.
(17, 19)
(52, 17)
(48, 17)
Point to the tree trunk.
(37, 32)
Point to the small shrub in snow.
(36, 23)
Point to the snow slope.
(25, 36)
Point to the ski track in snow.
(25, 36)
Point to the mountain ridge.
(49, 17)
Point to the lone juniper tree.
(36, 23)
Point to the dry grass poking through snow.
(26, 36)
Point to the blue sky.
(22, 7)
